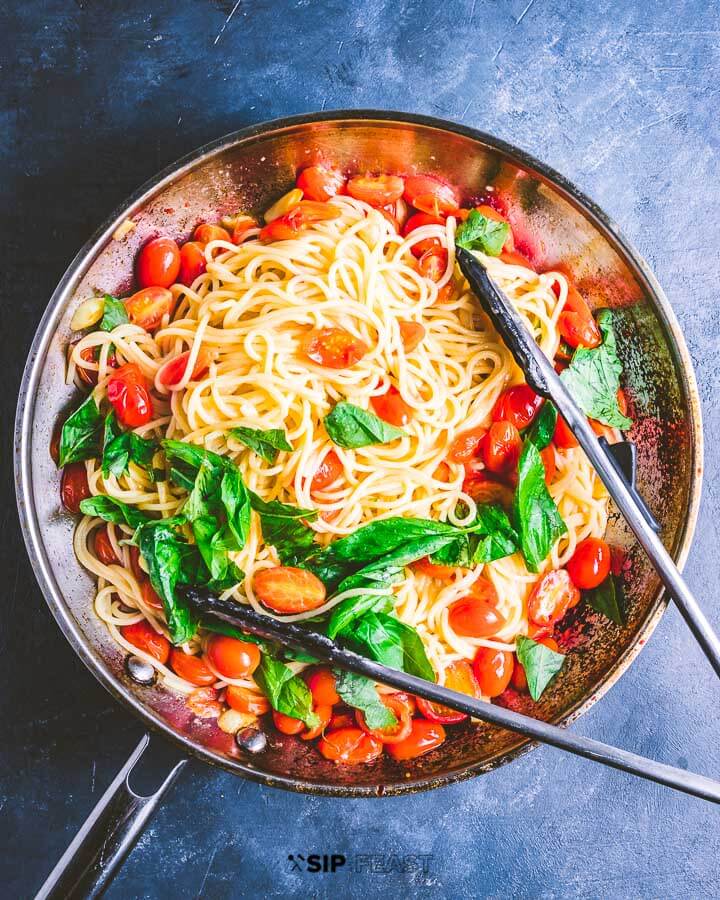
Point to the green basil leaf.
(120, 448)
(352, 427)
(286, 692)
(112, 510)
(593, 377)
(541, 664)
(115, 314)
(266, 444)
(537, 519)
(495, 536)
(347, 611)
(171, 561)
(235, 499)
(542, 429)
(478, 232)
(81, 434)
(283, 527)
(608, 599)
(360, 693)
(391, 642)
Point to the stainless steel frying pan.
(558, 227)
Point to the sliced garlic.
(123, 229)
(231, 720)
(284, 204)
(88, 313)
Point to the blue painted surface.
(620, 97)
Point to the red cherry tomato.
(150, 595)
(501, 448)
(391, 407)
(192, 262)
(483, 487)
(173, 371)
(589, 565)
(158, 263)
(147, 307)
(321, 682)
(425, 567)
(191, 668)
(135, 566)
(424, 736)
(74, 487)
(474, 617)
(324, 714)
(399, 704)
(433, 263)
(287, 724)
(87, 376)
(128, 393)
(411, 334)
(300, 217)
(287, 589)
(329, 470)
(350, 746)
(243, 224)
(576, 323)
(458, 677)
(417, 221)
(563, 438)
(320, 183)
(512, 258)
(548, 458)
(551, 597)
(376, 190)
(333, 348)
(104, 548)
(206, 233)
(467, 445)
(231, 657)
(244, 700)
(518, 405)
(493, 670)
(430, 195)
(143, 636)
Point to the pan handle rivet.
(139, 670)
(251, 740)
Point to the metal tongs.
(543, 379)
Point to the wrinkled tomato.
(143, 636)
(433, 263)
(205, 233)
(147, 307)
(467, 445)
(191, 668)
(576, 323)
(74, 487)
(501, 447)
(333, 348)
(351, 746)
(376, 190)
(399, 704)
(244, 700)
(320, 183)
(128, 393)
(459, 677)
(518, 405)
(424, 736)
(391, 407)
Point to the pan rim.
(46, 330)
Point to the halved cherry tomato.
(173, 371)
(538, 632)
(286, 589)
(501, 447)
(143, 636)
(493, 670)
(391, 407)
(376, 190)
(548, 458)
(399, 704)
(128, 393)
(324, 713)
(350, 746)
(425, 567)
(475, 617)
(329, 470)
(150, 595)
(589, 565)
(417, 221)
(287, 724)
(411, 334)
(74, 487)
(551, 597)
(192, 262)
(206, 233)
(158, 263)
(430, 195)
(424, 736)
(104, 548)
(191, 668)
(320, 183)
(243, 224)
(576, 323)
(484, 488)
(300, 217)
(518, 405)
(147, 307)
(563, 438)
(204, 703)
(467, 444)
(244, 700)
(231, 657)
(458, 677)
(519, 679)
(135, 566)
(433, 263)
(512, 258)
(333, 348)
(321, 682)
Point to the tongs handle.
(542, 378)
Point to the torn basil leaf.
(608, 600)
(360, 693)
(478, 232)
(112, 510)
(286, 692)
(352, 427)
(120, 448)
(541, 664)
(536, 518)
(283, 527)
(267, 444)
(115, 314)
(81, 434)
(542, 429)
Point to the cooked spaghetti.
(422, 355)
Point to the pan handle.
(112, 829)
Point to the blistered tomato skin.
(127, 391)
(424, 736)
(74, 487)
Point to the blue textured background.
(622, 98)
